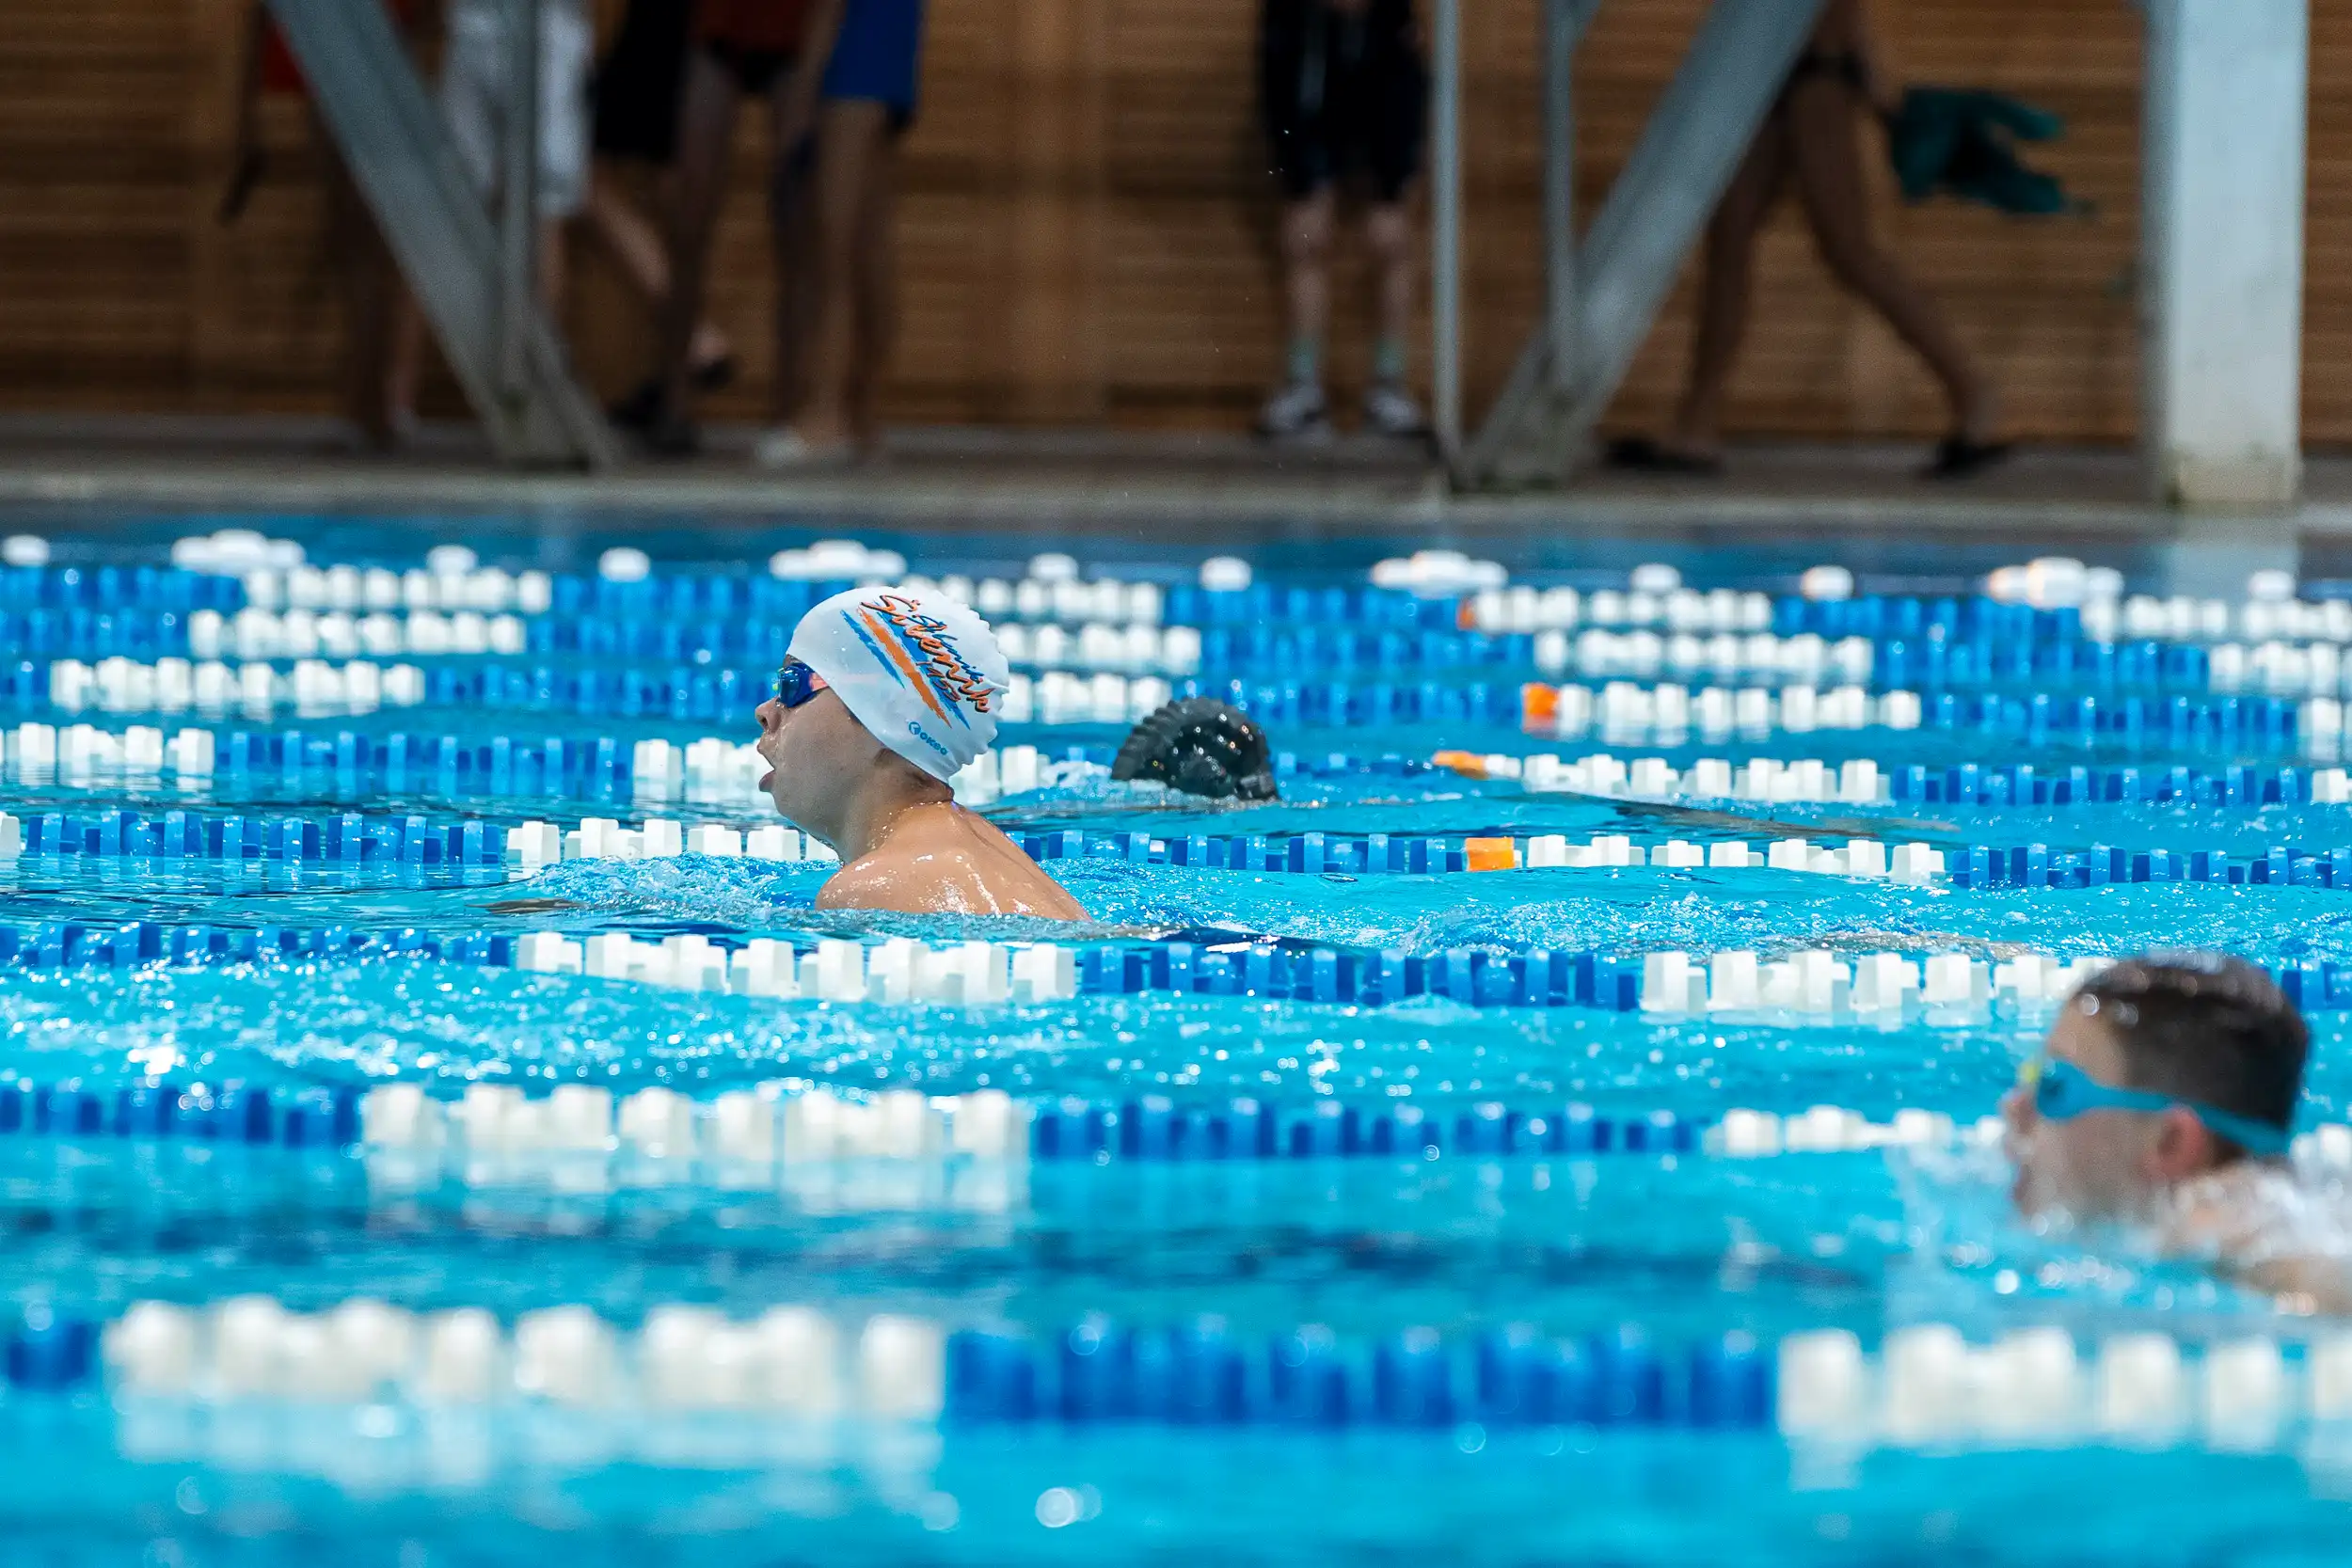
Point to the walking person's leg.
(635, 246)
(704, 143)
(1725, 290)
(1727, 294)
(636, 93)
(876, 294)
(1826, 152)
(850, 144)
(795, 105)
(794, 253)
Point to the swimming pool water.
(1327, 1286)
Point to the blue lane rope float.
(530, 766)
(346, 839)
(1197, 1373)
(1537, 977)
(1205, 1374)
(701, 595)
(2235, 787)
(1060, 1130)
(2181, 723)
(358, 840)
(244, 1113)
(1239, 967)
(746, 1131)
(1156, 1129)
(593, 768)
(2037, 1387)
(747, 640)
(602, 768)
(2037, 865)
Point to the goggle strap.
(2042, 1075)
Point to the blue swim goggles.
(2062, 1091)
(795, 682)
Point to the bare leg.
(376, 399)
(848, 142)
(1388, 233)
(797, 247)
(1306, 280)
(1726, 288)
(704, 140)
(403, 329)
(554, 268)
(1826, 151)
(878, 297)
(636, 248)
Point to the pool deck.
(1218, 488)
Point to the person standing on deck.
(1345, 93)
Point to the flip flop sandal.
(1958, 457)
(1640, 454)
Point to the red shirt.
(775, 26)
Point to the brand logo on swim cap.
(924, 737)
(926, 655)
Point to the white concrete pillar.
(2222, 264)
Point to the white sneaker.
(1299, 412)
(1390, 410)
(784, 448)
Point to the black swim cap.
(1202, 747)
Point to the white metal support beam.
(2222, 214)
(470, 279)
(1563, 24)
(1620, 275)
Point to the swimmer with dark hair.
(1199, 746)
(2166, 1096)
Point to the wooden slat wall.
(1087, 226)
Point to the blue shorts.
(878, 56)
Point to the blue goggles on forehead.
(2062, 1091)
(795, 682)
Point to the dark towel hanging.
(1964, 142)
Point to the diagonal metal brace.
(439, 228)
(1626, 263)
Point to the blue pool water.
(1148, 1355)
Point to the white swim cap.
(919, 670)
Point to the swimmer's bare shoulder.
(949, 879)
(2303, 1285)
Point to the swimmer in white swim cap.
(883, 696)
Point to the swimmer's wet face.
(2202, 1048)
(816, 751)
(882, 688)
(2104, 1161)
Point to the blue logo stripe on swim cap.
(947, 693)
(873, 647)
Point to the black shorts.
(639, 83)
(1345, 95)
(756, 70)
